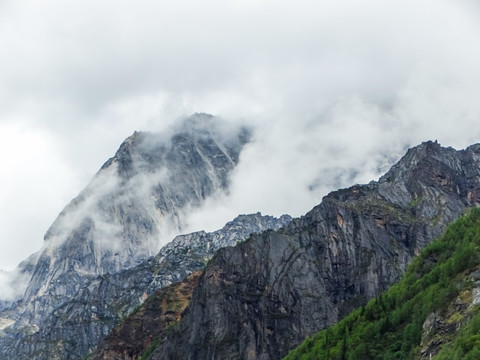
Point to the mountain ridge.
(263, 297)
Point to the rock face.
(141, 330)
(261, 298)
(190, 252)
(140, 196)
(137, 200)
(174, 262)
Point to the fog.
(335, 91)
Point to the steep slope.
(432, 313)
(140, 197)
(136, 201)
(260, 299)
(138, 333)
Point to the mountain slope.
(139, 332)
(263, 297)
(422, 314)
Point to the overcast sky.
(336, 91)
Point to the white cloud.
(36, 182)
(13, 285)
(335, 89)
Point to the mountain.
(260, 295)
(432, 313)
(260, 299)
(81, 281)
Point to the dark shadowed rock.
(140, 331)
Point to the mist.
(335, 92)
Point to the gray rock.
(476, 295)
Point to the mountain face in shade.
(138, 200)
(260, 299)
(172, 264)
(140, 331)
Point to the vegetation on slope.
(391, 325)
(140, 332)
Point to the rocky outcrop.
(136, 201)
(441, 328)
(261, 298)
(139, 333)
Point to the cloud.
(13, 284)
(336, 90)
(32, 189)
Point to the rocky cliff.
(138, 334)
(172, 264)
(261, 298)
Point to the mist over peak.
(321, 83)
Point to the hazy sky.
(336, 91)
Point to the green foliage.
(390, 326)
(149, 351)
(416, 201)
(135, 309)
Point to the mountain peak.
(137, 201)
(428, 152)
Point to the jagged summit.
(430, 151)
(141, 194)
(190, 140)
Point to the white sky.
(335, 89)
